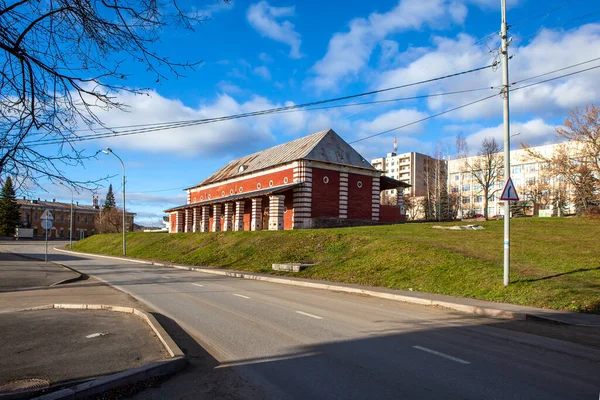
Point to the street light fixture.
(108, 150)
(71, 219)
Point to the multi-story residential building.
(410, 168)
(84, 217)
(532, 179)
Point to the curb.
(465, 308)
(98, 386)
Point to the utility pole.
(505, 98)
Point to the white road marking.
(437, 353)
(165, 277)
(309, 315)
(95, 335)
(197, 284)
(241, 295)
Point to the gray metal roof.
(325, 146)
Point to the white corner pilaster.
(376, 198)
(238, 224)
(228, 217)
(204, 224)
(256, 218)
(276, 212)
(343, 202)
(216, 226)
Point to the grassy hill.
(555, 261)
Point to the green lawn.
(555, 261)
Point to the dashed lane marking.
(197, 284)
(437, 353)
(241, 295)
(309, 315)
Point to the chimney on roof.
(54, 200)
(38, 199)
(95, 201)
(24, 198)
(77, 203)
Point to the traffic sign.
(509, 192)
(46, 223)
(47, 215)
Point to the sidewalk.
(18, 272)
(51, 349)
(471, 306)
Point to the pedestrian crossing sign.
(509, 192)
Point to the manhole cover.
(24, 385)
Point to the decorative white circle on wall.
(208, 197)
(284, 210)
(258, 186)
(359, 184)
(270, 183)
(230, 191)
(201, 198)
(285, 180)
(223, 193)
(241, 189)
(325, 179)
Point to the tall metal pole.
(505, 98)
(109, 150)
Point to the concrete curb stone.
(499, 310)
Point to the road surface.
(312, 344)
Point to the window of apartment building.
(545, 166)
(466, 188)
(466, 177)
(454, 189)
(493, 197)
(35, 216)
(530, 167)
(501, 172)
(491, 211)
(517, 182)
(78, 218)
(545, 180)
(25, 216)
(454, 177)
(478, 211)
(530, 181)
(477, 187)
(62, 217)
(516, 169)
(85, 219)
(478, 199)
(466, 200)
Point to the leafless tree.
(62, 61)
(576, 164)
(412, 207)
(485, 168)
(109, 220)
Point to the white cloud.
(265, 19)
(210, 10)
(263, 72)
(550, 50)
(534, 132)
(391, 120)
(264, 57)
(349, 52)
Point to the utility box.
(24, 233)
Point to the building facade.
(410, 168)
(84, 217)
(315, 181)
(532, 179)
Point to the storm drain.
(23, 386)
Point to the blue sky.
(259, 55)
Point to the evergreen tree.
(110, 198)
(9, 209)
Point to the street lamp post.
(108, 150)
(71, 219)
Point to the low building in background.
(84, 218)
(312, 182)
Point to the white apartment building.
(527, 173)
(406, 167)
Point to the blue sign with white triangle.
(509, 192)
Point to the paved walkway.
(17, 272)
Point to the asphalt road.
(304, 343)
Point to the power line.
(475, 102)
(424, 119)
(178, 124)
(596, 12)
(556, 70)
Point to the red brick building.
(315, 181)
